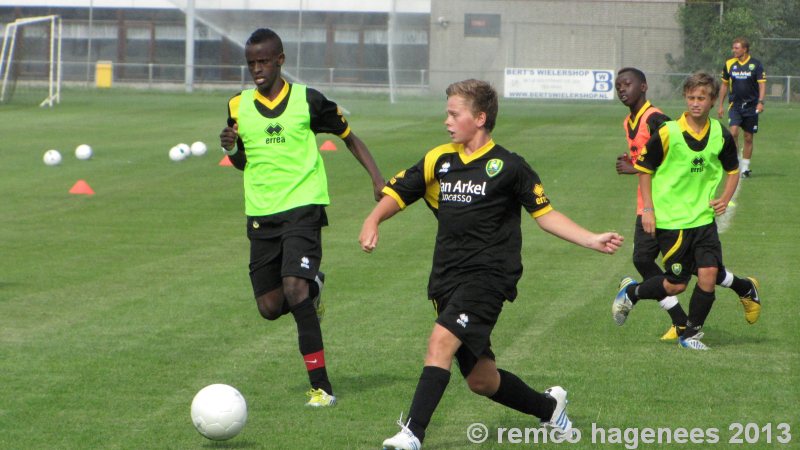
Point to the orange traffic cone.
(328, 145)
(82, 188)
(225, 161)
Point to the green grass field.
(115, 309)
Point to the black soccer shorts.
(687, 250)
(645, 252)
(470, 312)
(744, 117)
(296, 253)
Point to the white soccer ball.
(176, 154)
(219, 412)
(83, 152)
(185, 150)
(198, 148)
(52, 157)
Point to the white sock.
(744, 165)
(668, 302)
(728, 281)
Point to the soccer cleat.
(671, 334)
(404, 439)
(751, 303)
(693, 342)
(318, 305)
(559, 421)
(747, 173)
(622, 305)
(317, 398)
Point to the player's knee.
(268, 312)
(674, 289)
(269, 306)
(481, 385)
(295, 291)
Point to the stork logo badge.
(274, 129)
(493, 167)
(463, 320)
(698, 164)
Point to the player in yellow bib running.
(270, 136)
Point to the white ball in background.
(198, 148)
(184, 149)
(52, 157)
(83, 152)
(176, 154)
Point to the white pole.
(58, 60)
(13, 41)
(299, 39)
(189, 64)
(3, 52)
(51, 72)
(89, 44)
(390, 38)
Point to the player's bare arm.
(562, 226)
(624, 166)
(648, 214)
(228, 137)
(385, 209)
(723, 92)
(720, 204)
(359, 149)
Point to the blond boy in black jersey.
(477, 190)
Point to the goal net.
(31, 56)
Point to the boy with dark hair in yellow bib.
(271, 137)
(681, 168)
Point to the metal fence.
(780, 88)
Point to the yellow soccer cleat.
(317, 398)
(751, 303)
(671, 334)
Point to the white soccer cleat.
(559, 421)
(693, 342)
(622, 305)
(404, 439)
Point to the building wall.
(551, 34)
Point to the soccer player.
(682, 166)
(476, 189)
(644, 119)
(746, 80)
(642, 122)
(270, 136)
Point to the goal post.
(10, 66)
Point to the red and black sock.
(309, 336)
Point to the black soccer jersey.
(477, 200)
(743, 79)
